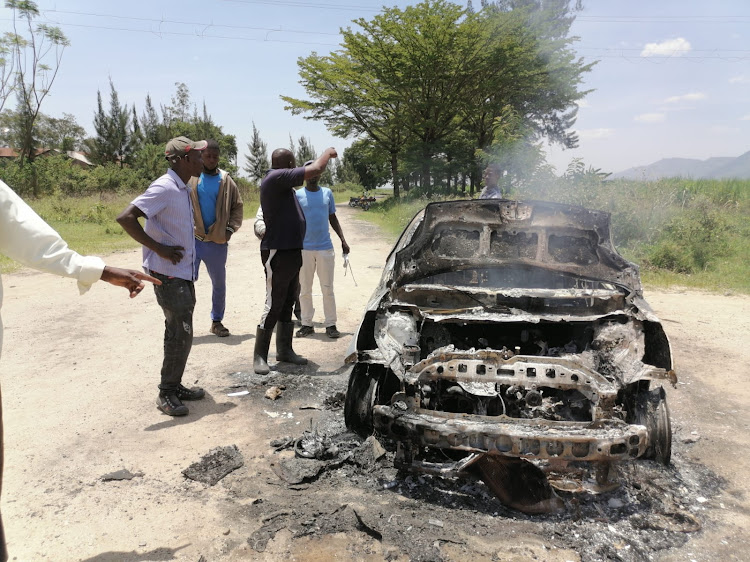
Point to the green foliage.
(689, 232)
(257, 159)
(31, 76)
(427, 84)
(368, 162)
(691, 241)
(115, 135)
(250, 193)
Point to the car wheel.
(652, 411)
(360, 399)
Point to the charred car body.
(515, 329)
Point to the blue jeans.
(215, 257)
(177, 299)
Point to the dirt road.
(79, 378)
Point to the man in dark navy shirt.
(281, 253)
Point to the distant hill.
(713, 168)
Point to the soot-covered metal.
(512, 329)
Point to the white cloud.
(695, 96)
(670, 48)
(589, 134)
(742, 79)
(745, 117)
(651, 117)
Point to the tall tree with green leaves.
(530, 71)
(7, 68)
(414, 80)
(33, 75)
(150, 123)
(257, 159)
(404, 74)
(305, 151)
(113, 141)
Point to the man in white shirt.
(26, 238)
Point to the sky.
(672, 78)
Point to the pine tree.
(257, 160)
(119, 118)
(98, 144)
(305, 151)
(150, 123)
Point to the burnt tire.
(360, 399)
(652, 411)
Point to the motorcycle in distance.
(363, 201)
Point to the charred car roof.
(491, 233)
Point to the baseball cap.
(180, 146)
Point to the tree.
(7, 68)
(63, 133)
(426, 83)
(257, 159)
(150, 123)
(33, 76)
(113, 141)
(369, 162)
(404, 75)
(305, 151)
(180, 108)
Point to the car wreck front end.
(512, 329)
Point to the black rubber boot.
(260, 355)
(284, 351)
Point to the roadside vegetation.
(499, 82)
(683, 232)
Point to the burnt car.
(513, 329)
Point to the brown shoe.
(218, 328)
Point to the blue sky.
(673, 77)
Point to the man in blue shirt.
(217, 210)
(168, 254)
(318, 255)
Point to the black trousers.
(282, 285)
(177, 299)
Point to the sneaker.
(332, 332)
(305, 331)
(170, 404)
(218, 328)
(195, 393)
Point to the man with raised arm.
(281, 253)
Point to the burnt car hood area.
(509, 338)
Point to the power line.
(202, 24)
(663, 19)
(315, 5)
